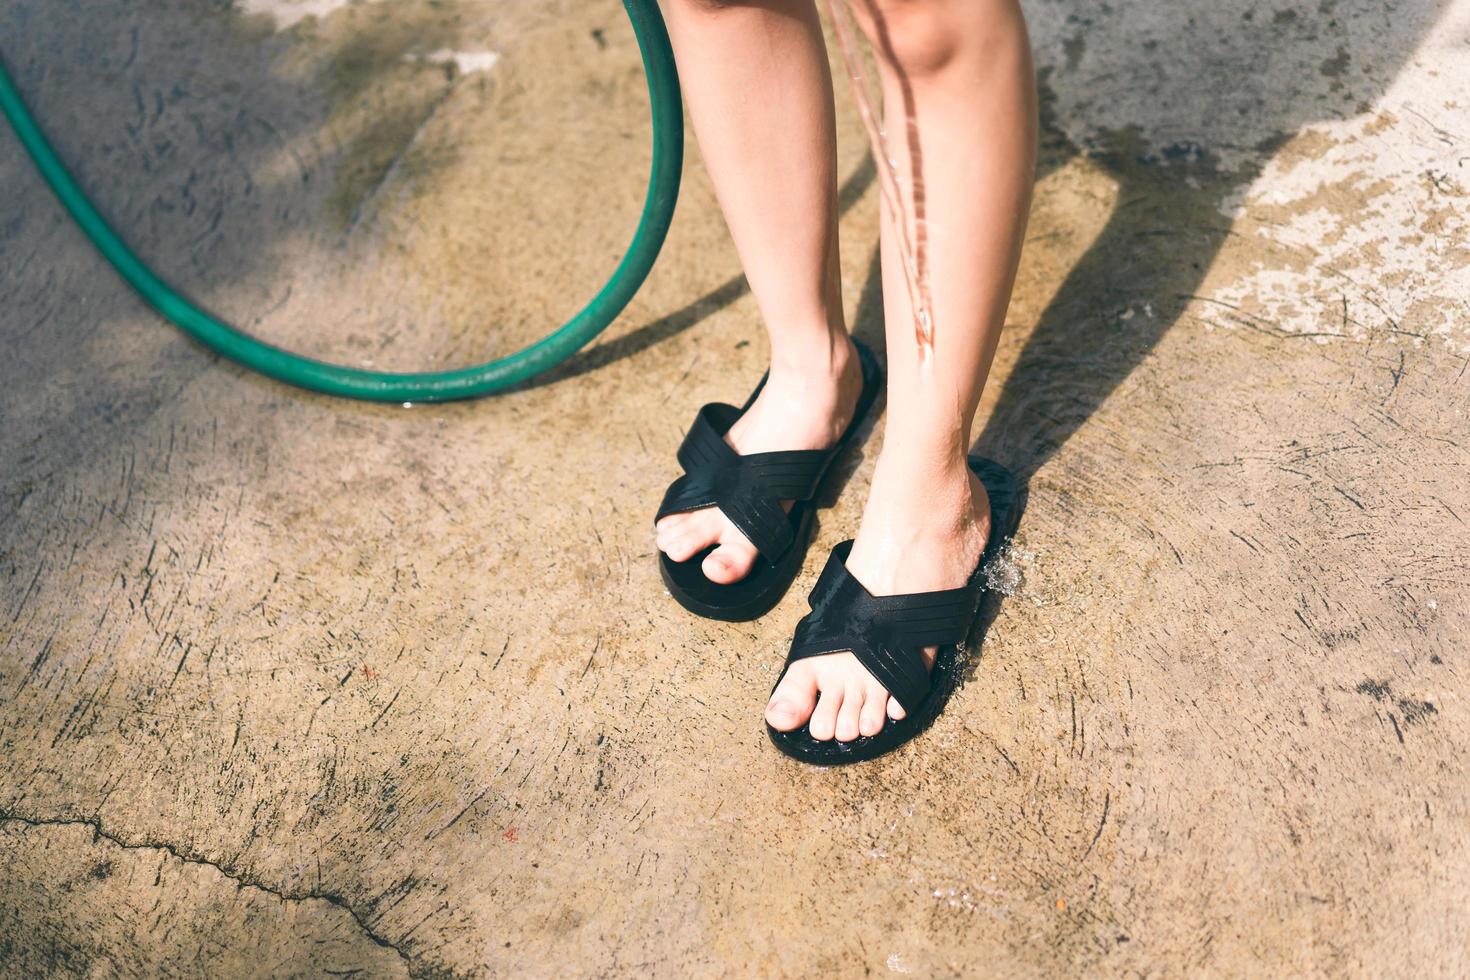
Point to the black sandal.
(888, 633)
(749, 491)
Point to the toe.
(895, 710)
(847, 718)
(875, 696)
(698, 530)
(792, 702)
(681, 545)
(729, 562)
(665, 529)
(824, 716)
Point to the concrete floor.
(293, 686)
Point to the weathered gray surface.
(293, 685)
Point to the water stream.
(908, 217)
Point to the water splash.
(1004, 573)
(912, 230)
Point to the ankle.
(806, 404)
(920, 532)
(814, 358)
(934, 490)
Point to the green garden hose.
(333, 379)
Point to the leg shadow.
(1129, 288)
(675, 323)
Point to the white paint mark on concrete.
(467, 62)
(1378, 222)
(1374, 216)
(288, 13)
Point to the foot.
(919, 534)
(801, 407)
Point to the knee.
(924, 37)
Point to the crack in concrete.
(233, 874)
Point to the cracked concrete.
(101, 871)
(291, 685)
(61, 924)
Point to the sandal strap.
(887, 633)
(747, 489)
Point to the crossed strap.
(747, 489)
(887, 633)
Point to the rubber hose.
(334, 379)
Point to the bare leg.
(964, 68)
(760, 96)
